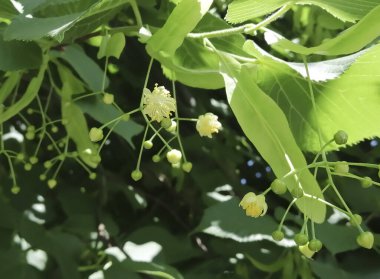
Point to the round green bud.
(108, 98)
(92, 176)
(365, 240)
(96, 134)
(297, 192)
(367, 182)
(172, 127)
(315, 245)
(50, 147)
(61, 157)
(278, 187)
(301, 239)
(156, 158)
(29, 111)
(30, 128)
(20, 156)
(33, 160)
(187, 166)
(48, 164)
(340, 137)
(148, 144)
(28, 167)
(65, 122)
(342, 167)
(136, 175)
(174, 156)
(30, 135)
(126, 117)
(278, 235)
(166, 123)
(42, 177)
(356, 220)
(15, 189)
(54, 129)
(52, 183)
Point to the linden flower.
(208, 124)
(253, 205)
(158, 104)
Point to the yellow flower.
(253, 205)
(208, 124)
(158, 104)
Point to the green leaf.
(157, 270)
(7, 10)
(199, 70)
(346, 10)
(174, 248)
(243, 10)
(15, 55)
(86, 68)
(105, 113)
(337, 238)
(63, 247)
(342, 104)
(111, 45)
(351, 40)
(29, 29)
(265, 124)
(9, 85)
(76, 125)
(29, 95)
(170, 37)
(272, 267)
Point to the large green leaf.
(153, 269)
(345, 10)
(75, 122)
(266, 126)
(351, 40)
(16, 55)
(28, 29)
(29, 95)
(350, 102)
(199, 70)
(9, 85)
(86, 68)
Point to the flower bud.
(315, 245)
(96, 134)
(340, 137)
(356, 220)
(301, 239)
(108, 98)
(174, 156)
(365, 240)
(278, 235)
(187, 166)
(278, 187)
(52, 183)
(148, 144)
(342, 167)
(136, 175)
(367, 182)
